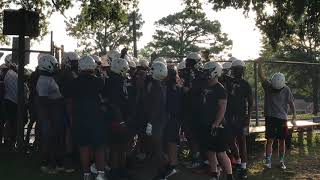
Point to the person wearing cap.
(277, 98)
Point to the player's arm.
(293, 110)
(260, 71)
(250, 106)
(222, 105)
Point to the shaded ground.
(303, 162)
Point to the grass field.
(303, 162)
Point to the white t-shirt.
(48, 87)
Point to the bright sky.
(241, 30)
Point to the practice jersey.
(239, 91)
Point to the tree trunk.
(315, 90)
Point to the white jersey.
(48, 87)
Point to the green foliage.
(189, 30)
(104, 25)
(47, 7)
(279, 19)
(291, 29)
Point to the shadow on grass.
(303, 162)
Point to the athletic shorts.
(276, 128)
(216, 142)
(10, 109)
(172, 129)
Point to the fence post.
(256, 93)
(21, 101)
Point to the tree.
(99, 31)
(189, 30)
(291, 28)
(47, 7)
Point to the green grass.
(303, 162)
(14, 166)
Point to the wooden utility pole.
(134, 31)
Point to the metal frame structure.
(20, 114)
(269, 61)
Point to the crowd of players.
(100, 106)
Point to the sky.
(241, 30)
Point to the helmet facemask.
(210, 74)
(74, 65)
(237, 72)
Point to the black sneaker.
(243, 174)
(237, 167)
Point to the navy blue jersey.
(239, 92)
(212, 95)
(174, 101)
(89, 124)
(116, 94)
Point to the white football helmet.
(120, 66)
(199, 65)
(113, 54)
(160, 59)
(68, 57)
(182, 65)
(8, 59)
(127, 57)
(96, 59)
(143, 63)
(159, 71)
(87, 63)
(214, 68)
(136, 60)
(40, 55)
(47, 63)
(226, 65)
(130, 60)
(238, 63)
(132, 64)
(195, 56)
(278, 80)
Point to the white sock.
(101, 173)
(244, 165)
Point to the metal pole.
(21, 102)
(135, 48)
(256, 93)
(28, 50)
(51, 43)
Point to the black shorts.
(234, 124)
(234, 131)
(215, 143)
(172, 129)
(276, 128)
(10, 111)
